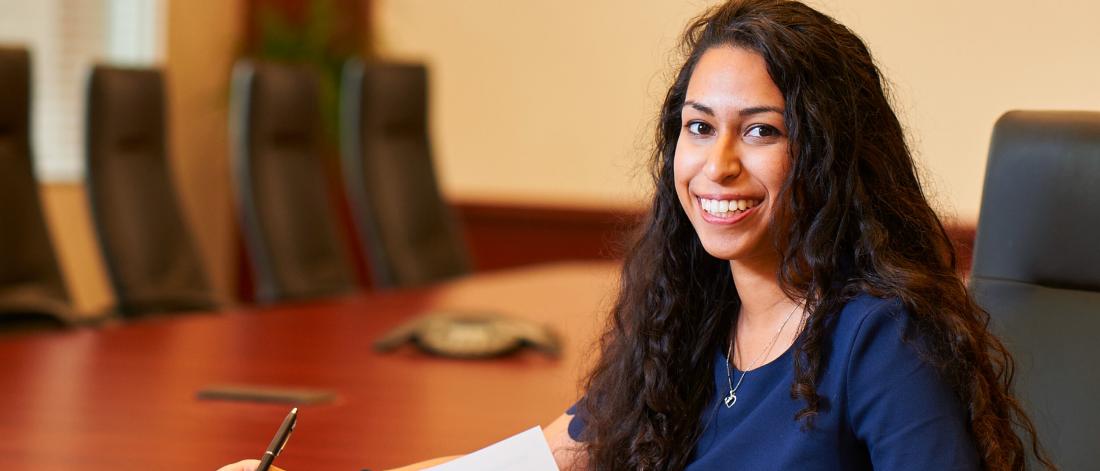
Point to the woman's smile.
(726, 210)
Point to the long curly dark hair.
(856, 220)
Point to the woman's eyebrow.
(760, 109)
(699, 106)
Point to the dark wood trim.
(506, 235)
(962, 235)
(503, 235)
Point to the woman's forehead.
(731, 78)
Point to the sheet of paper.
(527, 451)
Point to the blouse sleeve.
(898, 404)
(577, 423)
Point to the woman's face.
(732, 158)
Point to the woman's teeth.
(726, 208)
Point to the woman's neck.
(764, 328)
(762, 299)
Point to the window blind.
(65, 38)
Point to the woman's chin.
(723, 251)
(736, 253)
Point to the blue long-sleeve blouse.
(884, 407)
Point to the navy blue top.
(883, 407)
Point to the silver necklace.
(731, 398)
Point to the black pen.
(279, 441)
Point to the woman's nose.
(723, 162)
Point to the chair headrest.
(126, 108)
(1040, 213)
(395, 98)
(15, 100)
(284, 102)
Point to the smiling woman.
(791, 301)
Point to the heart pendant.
(730, 400)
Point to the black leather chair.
(148, 251)
(1037, 270)
(32, 292)
(290, 228)
(404, 225)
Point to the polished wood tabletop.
(124, 397)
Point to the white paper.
(527, 451)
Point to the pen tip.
(294, 410)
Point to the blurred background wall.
(204, 39)
(553, 101)
(549, 104)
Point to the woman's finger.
(245, 465)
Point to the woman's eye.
(762, 131)
(699, 128)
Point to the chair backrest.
(404, 226)
(31, 287)
(1037, 270)
(290, 227)
(148, 251)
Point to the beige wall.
(539, 101)
(66, 208)
(203, 39)
(957, 66)
(552, 101)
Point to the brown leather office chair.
(1037, 270)
(148, 251)
(290, 228)
(404, 225)
(32, 292)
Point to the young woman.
(792, 301)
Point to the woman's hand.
(246, 465)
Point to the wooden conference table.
(124, 397)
